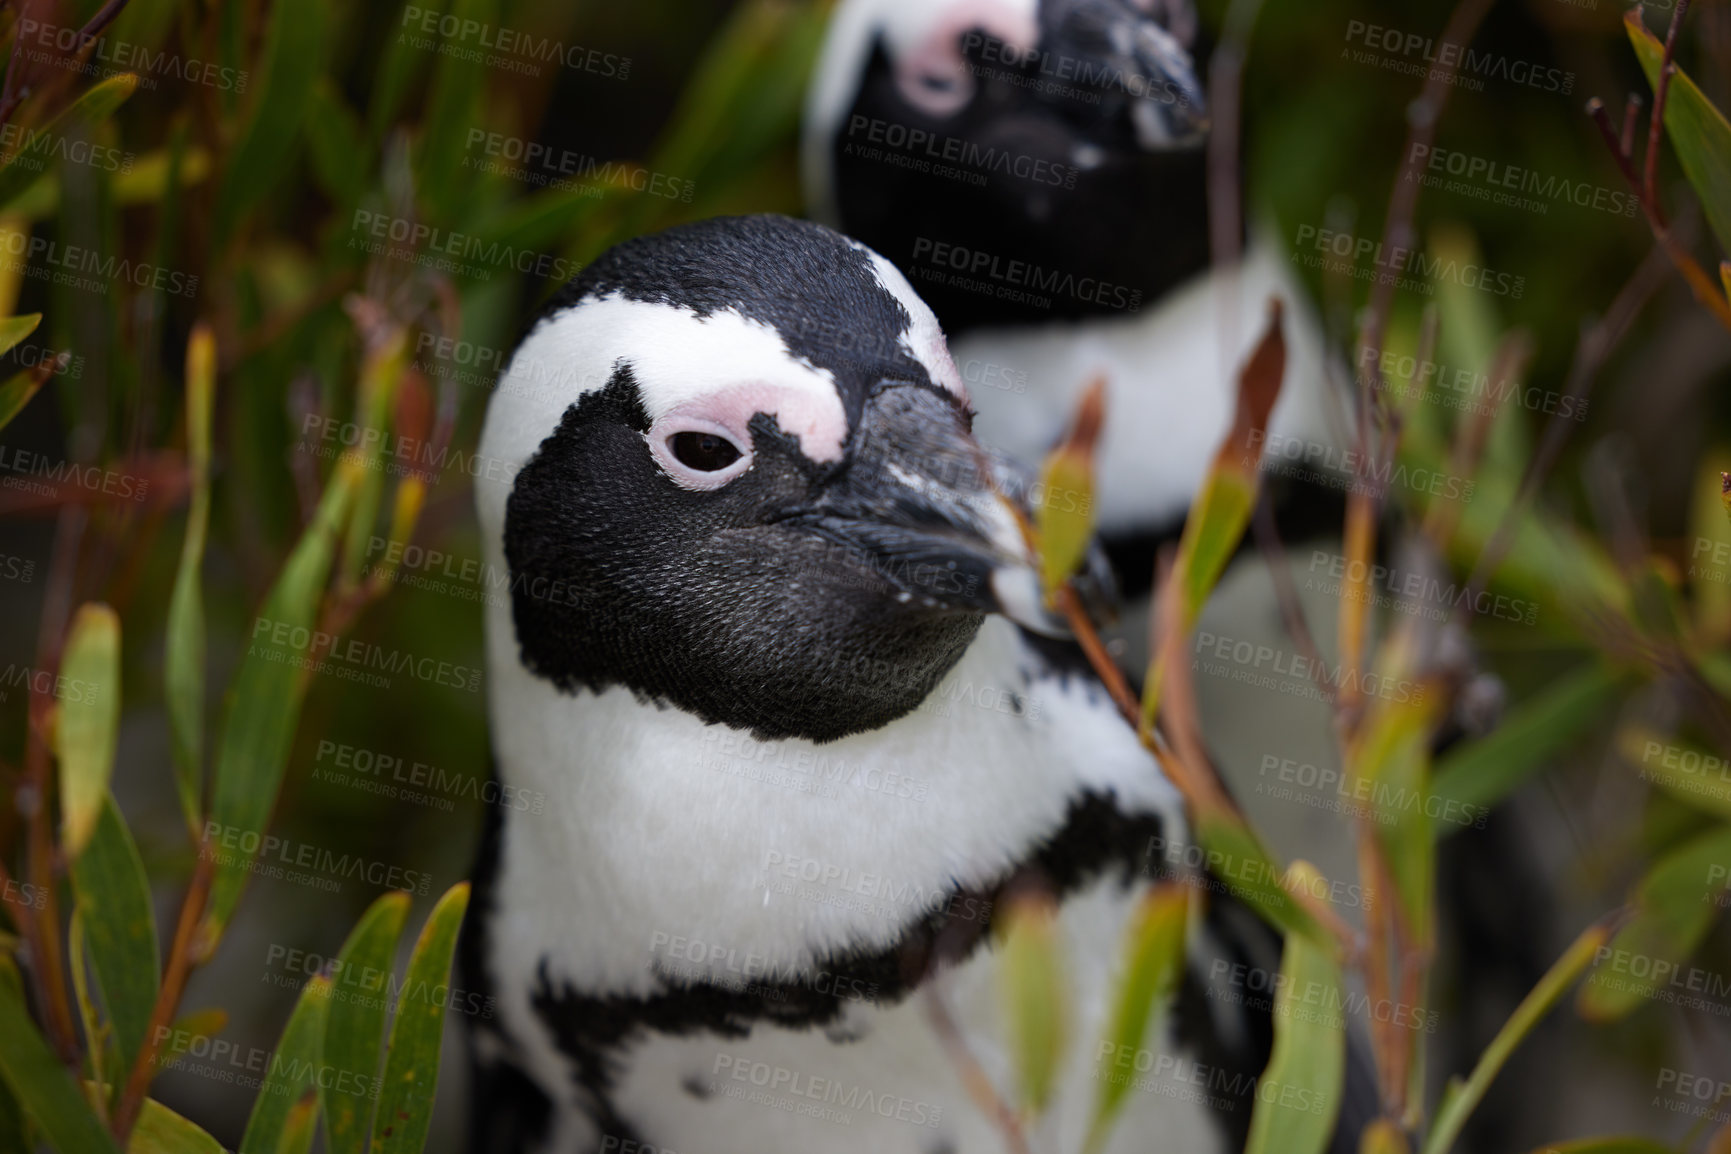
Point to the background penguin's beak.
(926, 508)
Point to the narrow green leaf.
(1249, 872)
(113, 901)
(160, 1130)
(342, 155)
(26, 166)
(401, 63)
(294, 1070)
(1697, 130)
(405, 1109)
(184, 664)
(1481, 773)
(89, 686)
(1153, 968)
(44, 1088)
(453, 105)
(18, 390)
(1064, 518)
(264, 707)
(1621, 1144)
(98, 1039)
(1692, 775)
(294, 55)
(355, 1028)
(1035, 998)
(1299, 1094)
(13, 330)
(1461, 1098)
(1674, 906)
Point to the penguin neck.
(656, 825)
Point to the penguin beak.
(924, 506)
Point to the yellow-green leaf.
(160, 1130)
(355, 1026)
(1249, 872)
(1674, 906)
(43, 1087)
(294, 1070)
(1064, 517)
(13, 330)
(1035, 997)
(184, 664)
(405, 1108)
(1152, 970)
(89, 689)
(300, 1127)
(264, 706)
(1696, 129)
(1681, 768)
(26, 166)
(18, 390)
(1299, 1094)
(1621, 1144)
(113, 902)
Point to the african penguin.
(760, 660)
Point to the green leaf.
(294, 55)
(1153, 968)
(294, 1070)
(113, 901)
(453, 105)
(1035, 997)
(1064, 518)
(355, 1027)
(95, 105)
(1460, 1098)
(89, 687)
(412, 1066)
(184, 663)
(1481, 773)
(399, 65)
(98, 1038)
(1674, 906)
(1659, 759)
(1251, 875)
(264, 708)
(13, 330)
(160, 1130)
(1697, 130)
(300, 1127)
(1622, 1144)
(44, 1088)
(1299, 1094)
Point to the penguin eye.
(705, 452)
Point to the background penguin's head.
(1064, 134)
(730, 468)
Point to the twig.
(180, 963)
(1656, 128)
(974, 1079)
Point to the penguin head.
(1065, 134)
(741, 482)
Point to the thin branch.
(974, 1079)
(1656, 129)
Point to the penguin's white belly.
(892, 1087)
